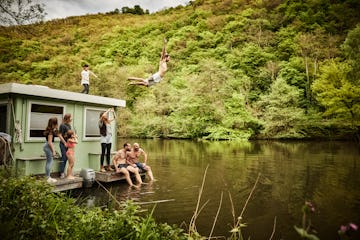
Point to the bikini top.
(71, 144)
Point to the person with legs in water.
(133, 156)
(121, 166)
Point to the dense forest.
(239, 69)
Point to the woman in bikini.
(70, 153)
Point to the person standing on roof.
(85, 78)
(157, 77)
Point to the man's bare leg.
(127, 176)
(136, 172)
(149, 172)
(136, 78)
(138, 83)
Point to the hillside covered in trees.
(239, 69)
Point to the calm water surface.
(325, 173)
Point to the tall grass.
(236, 233)
(30, 210)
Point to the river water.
(290, 173)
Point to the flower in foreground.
(347, 229)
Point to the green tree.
(281, 110)
(334, 91)
(252, 60)
(351, 48)
(137, 10)
(308, 43)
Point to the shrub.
(30, 210)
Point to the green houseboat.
(24, 113)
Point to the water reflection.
(326, 173)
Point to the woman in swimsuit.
(70, 153)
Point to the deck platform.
(113, 176)
(67, 184)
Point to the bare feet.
(138, 83)
(70, 177)
(135, 186)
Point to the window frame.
(84, 135)
(5, 103)
(29, 113)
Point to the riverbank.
(29, 210)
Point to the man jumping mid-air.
(155, 78)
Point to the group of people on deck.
(68, 139)
(125, 161)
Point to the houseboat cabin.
(24, 114)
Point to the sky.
(65, 8)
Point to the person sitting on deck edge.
(119, 161)
(133, 156)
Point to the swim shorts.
(123, 165)
(155, 78)
(141, 166)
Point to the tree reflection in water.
(325, 173)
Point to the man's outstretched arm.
(145, 156)
(163, 52)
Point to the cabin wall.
(86, 151)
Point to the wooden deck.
(112, 176)
(105, 177)
(67, 184)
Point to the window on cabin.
(3, 117)
(39, 117)
(92, 122)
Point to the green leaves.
(281, 110)
(304, 234)
(336, 92)
(29, 210)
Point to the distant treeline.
(137, 10)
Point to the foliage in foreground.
(29, 210)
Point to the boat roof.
(44, 91)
